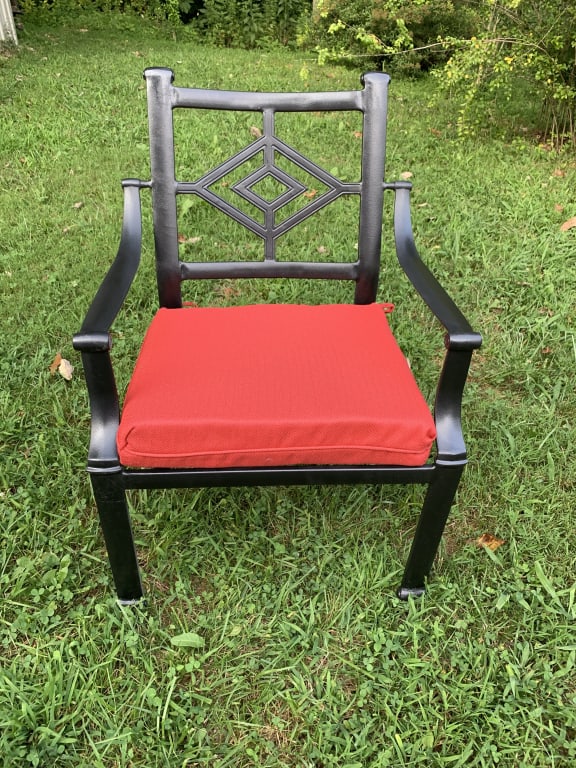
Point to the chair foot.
(138, 601)
(406, 592)
(429, 530)
(112, 506)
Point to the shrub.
(404, 35)
(240, 23)
(250, 23)
(154, 9)
(529, 43)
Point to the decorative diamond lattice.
(269, 188)
(248, 188)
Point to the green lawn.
(303, 656)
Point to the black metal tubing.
(460, 340)
(109, 479)
(460, 333)
(247, 101)
(164, 97)
(116, 284)
(375, 105)
(110, 494)
(242, 269)
(429, 530)
(261, 476)
(93, 339)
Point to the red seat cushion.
(273, 385)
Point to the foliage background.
(483, 51)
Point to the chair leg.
(433, 517)
(112, 506)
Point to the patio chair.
(269, 393)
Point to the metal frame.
(110, 480)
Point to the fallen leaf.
(546, 350)
(322, 249)
(558, 208)
(65, 369)
(255, 131)
(310, 194)
(55, 363)
(435, 132)
(568, 224)
(357, 134)
(78, 205)
(187, 640)
(487, 540)
(228, 291)
(558, 173)
(406, 175)
(183, 240)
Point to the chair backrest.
(273, 181)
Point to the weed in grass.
(302, 657)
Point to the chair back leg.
(435, 511)
(110, 496)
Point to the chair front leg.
(433, 517)
(110, 496)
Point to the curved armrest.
(93, 339)
(461, 340)
(94, 333)
(460, 333)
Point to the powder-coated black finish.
(110, 480)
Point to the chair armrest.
(461, 340)
(94, 335)
(459, 331)
(93, 339)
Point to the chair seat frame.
(110, 479)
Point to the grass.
(299, 654)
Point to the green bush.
(240, 23)
(527, 45)
(250, 23)
(153, 9)
(403, 35)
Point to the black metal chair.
(270, 394)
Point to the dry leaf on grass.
(55, 363)
(406, 175)
(66, 369)
(255, 131)
(487, 540)
(63, 366)
(568, 224)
